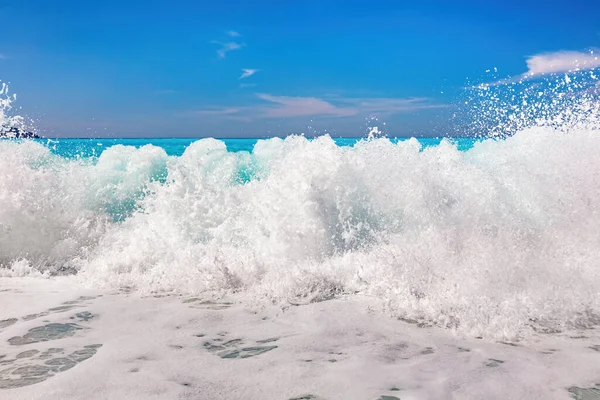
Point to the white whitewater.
(327, 250)
(495, 241)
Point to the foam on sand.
(173, 348)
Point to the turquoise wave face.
(119, 204)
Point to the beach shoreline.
(101, 344)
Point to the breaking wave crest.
(498, 240)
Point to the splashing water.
(559, 101)
(6, 120)
(500, 240)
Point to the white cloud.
(227, 47)
(248, 73)
(552, 63)
(233, 34)
(301, 106)
(345, 107)
(561, 61)
(293, 107)
(390, 105)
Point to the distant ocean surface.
(74, 148)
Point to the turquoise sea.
(76, 148)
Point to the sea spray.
(500, 240)
(8, 121)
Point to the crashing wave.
(500, 240)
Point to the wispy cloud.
(226, 47)
(283, 106)
(246, 73)
(552, 63)
(344, 107)
(3, 56)
(295, 107)
(391, 105)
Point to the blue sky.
(260, 68)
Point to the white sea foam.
(495, 241)
(491, 241)
(97, 344)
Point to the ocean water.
(85, 148)
(498, 239)
(494, 235)
(296, 268)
